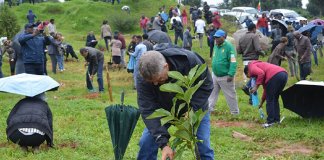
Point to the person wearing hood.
(30, 123)
(31, 17)
(153, 69)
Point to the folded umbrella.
(157, 36)
(305, 98)
(28, 84)
(121, 121)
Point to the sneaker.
(91, 90)
(267, 125)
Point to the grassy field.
(80, 125)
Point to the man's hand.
(229, 79)
(91, 77)
(167, 152)
(36, 32)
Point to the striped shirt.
(30, 131)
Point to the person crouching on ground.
(30, 123)
(273, 79)
(95, 61)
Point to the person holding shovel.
(95, 61)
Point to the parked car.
(238, 18)
(249, 10)
(212, 8)
(222, 11)
(288, 15)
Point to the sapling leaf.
(166, 119)
(200, 114)
(176, 75)
(192, 72)
(188, 94)
(159, 113)
(201, 69)
(171, 87)
(183, 135)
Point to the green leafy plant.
(8, 22)
(184, 124)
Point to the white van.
(288, 15)
(249, 10)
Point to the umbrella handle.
(122, 97)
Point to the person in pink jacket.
(273, 78)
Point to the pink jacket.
(263, 72)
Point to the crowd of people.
(150, 60)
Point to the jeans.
(263, 30)
(60, 62)
(273, 89)
(305, 69)
(1, 74)
(149, 149)
(99, 77)
(144, 31)
(54, 62)
(34, 68)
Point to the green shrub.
(127, 23)
(8, 22)
(53, 9)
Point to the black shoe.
(246, 90)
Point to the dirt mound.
(72, 145)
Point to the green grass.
(80, 126)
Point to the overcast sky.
(305, 2)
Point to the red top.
(262, 22)
(263, 72)
(216, 21)
(184, 13)
(143, 22)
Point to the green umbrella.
(122, 120)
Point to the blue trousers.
(34, 68)
(149, 149)
(60, 59)
(305, 69)
(273, 89)
(99, 77)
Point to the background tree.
(8, 22)
(315, 7)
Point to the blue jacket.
(32, 48)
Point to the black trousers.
(30, 140)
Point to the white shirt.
(200, 24)
(177, 18)
(51, 28)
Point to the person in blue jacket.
(32, 47)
